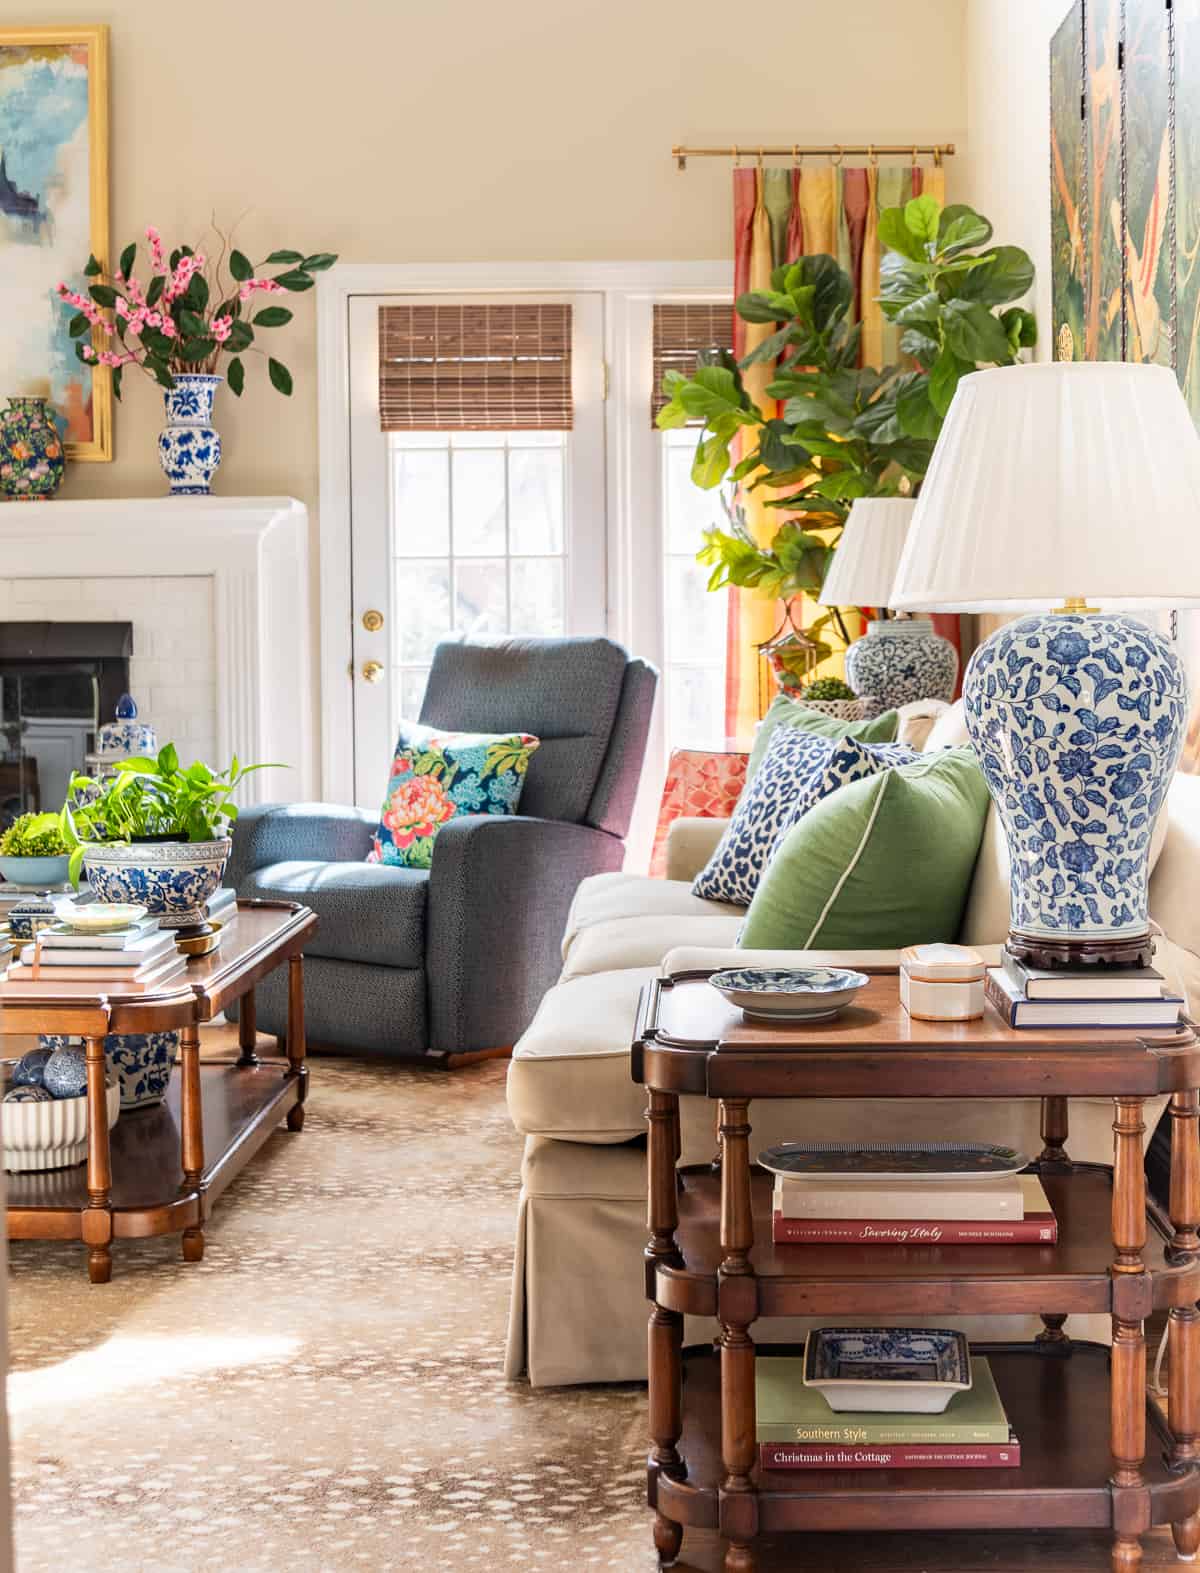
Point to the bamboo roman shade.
(681, 333)
(475, 368)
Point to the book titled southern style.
(846, 1197)
(1018, 1011)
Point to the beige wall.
(385, 130)
(1006, 168)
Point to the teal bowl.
(40, 872)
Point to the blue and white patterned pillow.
(798, 770)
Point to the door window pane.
(480, 597)
(421, 500)
(689, 509)
(478, 479)
(422, 604)
(535, 493)
(696, 706)
(694, 617)
(537, 596)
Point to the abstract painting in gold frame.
(53, 212)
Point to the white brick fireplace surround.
(217, 591)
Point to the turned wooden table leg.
(296, 1048)
(1129, 1342)
(1053, 1157)
(97, 1224)
(665, 1330)
(248, 1030)
(1183, 1321)
(192, 1121)
(737, 1305)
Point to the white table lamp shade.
(864, 565)
(1069, 479)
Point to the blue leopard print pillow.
(798, 770)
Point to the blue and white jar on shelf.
(142, 1061)
(900, 660)
(189, 446)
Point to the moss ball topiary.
(826, 688)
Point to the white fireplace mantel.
(254, 550)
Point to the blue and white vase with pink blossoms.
(189, 445)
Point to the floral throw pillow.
(436, 775)
(798, 769)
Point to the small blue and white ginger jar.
(1077, 721)
(901, 659)
(189, 446)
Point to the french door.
(466, 533)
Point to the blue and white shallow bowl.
(172, 879)
(887, 1369)
(789, 993)
(142, 1062)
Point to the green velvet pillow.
(881, 863)
(788, 712)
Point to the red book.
(889, 1455)
(1033, 1229)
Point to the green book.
(790, 1412)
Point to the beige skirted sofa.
(578, 1311)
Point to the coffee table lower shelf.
(241, 1106)
(1058, 1405)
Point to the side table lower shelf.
(1057, 1405)
(241, 1106)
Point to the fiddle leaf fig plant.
(943, 290)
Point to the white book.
(60, 937)
(985, 1200)
(133, 957)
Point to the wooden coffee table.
(710, 1254)
(160, 1170)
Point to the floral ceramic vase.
(171, 879)
(189, 446)
(1077, 721)
(900, 660)
(142, 1061)
(31, 451)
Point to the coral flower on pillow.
(417, 808)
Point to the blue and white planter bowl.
(171, 879)
(141, 1061)
(901, 659)
(1077, 721)
(189, 446)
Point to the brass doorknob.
(372, 621)
(372, 671)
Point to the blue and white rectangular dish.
(916, 1370)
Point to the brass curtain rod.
(796, 152)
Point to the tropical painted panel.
(1187, 201)
(1104, 319)
(1146, 230)
(52, 215)
(1068, 186)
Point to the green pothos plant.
(845, 431)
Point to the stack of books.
(140, 959)
(798, 1430)
(837, 1210)
(1093, 996)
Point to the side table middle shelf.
(710, 1254)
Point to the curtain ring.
(873, 155)
(760, 159)
(937, 158)
(797, 156)
(916, 155)
(838, 156)
(737, 157)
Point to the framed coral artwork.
(53, 213)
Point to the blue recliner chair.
(450, 961)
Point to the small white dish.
(915, 1370)
(98, 917)
(789, 993)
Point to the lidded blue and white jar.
(900, 660)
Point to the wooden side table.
(710, 1254)
(160, 1170)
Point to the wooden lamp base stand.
(1133, 950)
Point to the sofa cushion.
(949, 730)
(797, 770)
(603, 897)
(885, 861)
(369, 912)
(790, 712)
(436, 776)
(644, 941)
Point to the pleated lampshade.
(1069, 479)
(864, 565)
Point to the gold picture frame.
(29, 229)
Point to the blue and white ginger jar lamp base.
(901, 659)
(1077, 720)
(189, 446)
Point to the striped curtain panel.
(778, 215)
